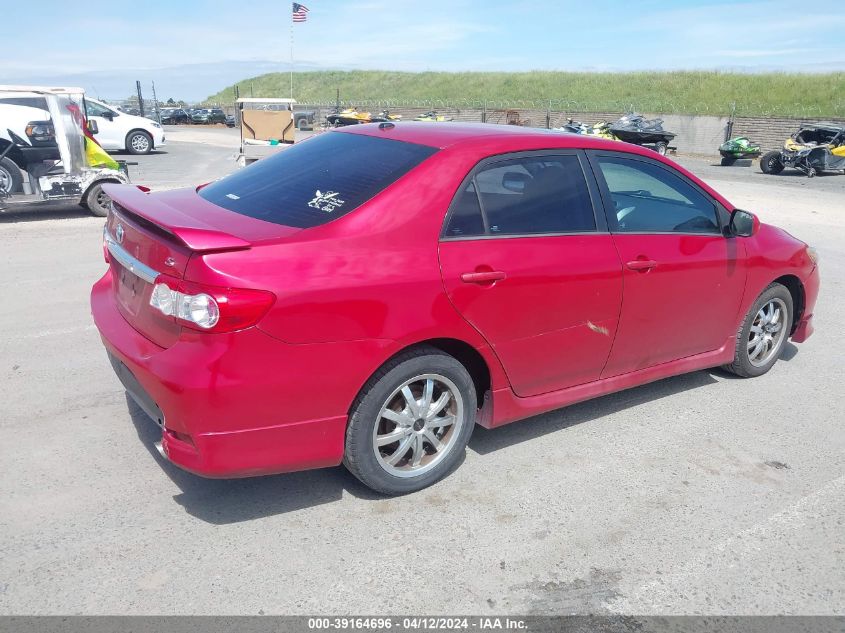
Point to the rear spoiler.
(190, 231)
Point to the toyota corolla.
(368, 296)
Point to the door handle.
(641, 264)
(484, 277)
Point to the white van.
(119, 131)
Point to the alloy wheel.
(767, 332)
(418, 425)
(140, 143)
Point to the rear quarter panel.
(373, 274)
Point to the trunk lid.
(157, 234)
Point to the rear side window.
(29, 102)
(524, 196)
(466, 218)
(317, 181)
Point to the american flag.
(300, 12)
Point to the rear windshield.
(317, 181)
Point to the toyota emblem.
(119, 234)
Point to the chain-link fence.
(797, 110)
(548, 113)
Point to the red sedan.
(367, 296)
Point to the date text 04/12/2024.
(421, 623)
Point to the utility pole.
(140, 97)
(155, 104)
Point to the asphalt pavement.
(701, 493)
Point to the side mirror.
(93, 127)
(108, 114)
(743, 223)
(514, 181)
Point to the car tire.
(138, 142)
(97, 201)
(382, 411)
(661, 148)
(11, 178)
(302, 125)
(727, 161)
(772, 310)
(770, 163)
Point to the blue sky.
(423, 35)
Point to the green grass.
(775, 94)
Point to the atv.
(812, 149)
(737, 148)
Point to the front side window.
(94, 109)
(648, 198)
(524, 196)
(316, 181)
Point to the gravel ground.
(697, 494)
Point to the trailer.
(47, 151)
(267, 126)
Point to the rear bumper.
(229, 405)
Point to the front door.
(108, 135)
(683, 279)
(525, 261)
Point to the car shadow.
(135, 156)
(227, 501)
(486, 441)
(740, 162)
(41, 211)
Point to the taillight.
(209, 308)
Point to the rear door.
(683, 278)
(528, 262)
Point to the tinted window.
(651, 199)
(465, 217)
(529, 195)
(29, 102)
(316, 181)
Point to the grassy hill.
(776, 94)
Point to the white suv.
(123, 132)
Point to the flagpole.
(291, 56)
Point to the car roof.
(449, 134)
(489, 139)
(41, 90)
